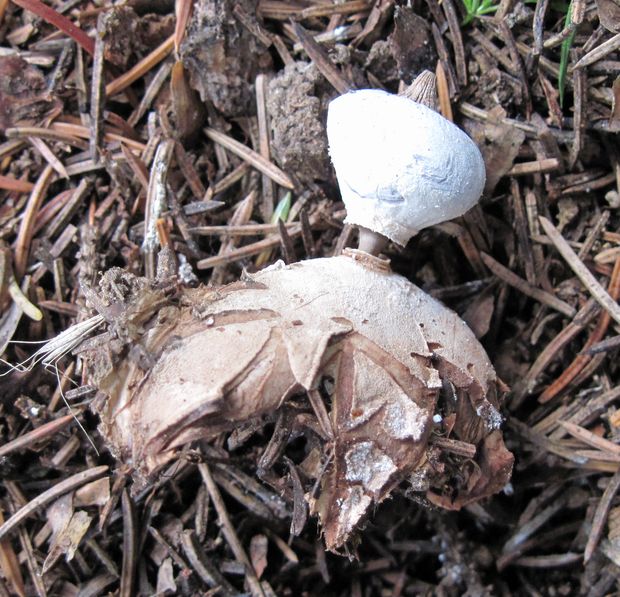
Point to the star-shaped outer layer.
(227, 355)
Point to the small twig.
(32, 563)
(589, 412)
(580, 362)
(229, 531)
(172, 552)
(527, 529)
(188, 170)
(444, 56)
(591, 439)
(607, 47)
(227, 181)
(327, 9)
(250, 22)
(467, 244)
(322, 61)
(300, 506)
(605, 345)
(521, 225)
(245, 251)
(579, 116)
(286, 244)
(582, 272)
(151, 92)
(24, 236)
(268, 196)
(183, 10)
(600, 516)
(75, 199)
(594, 234)
(9, 564)
(241, 215)
(77, 130)
(306, 232)
(156, 203)
(59, 21)
(240, 230)
(583, 318)
(202, 566)
(338, 35)
(8, 183)
(48, 155)
(454, 446)
(538, 30)
(138, 167)
(589, 186)
(508, 38)
(283, 11)
(35, 435)
(520, 284)
(97, 92)
(130, 538)
(457, 41)
(50, 495)
(535, 167)
(24, 132)
(141, 68)
(251, 157)
(115, 494)
(549, 561)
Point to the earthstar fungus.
(392, 386)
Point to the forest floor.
(200, 127)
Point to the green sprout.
(281, 212)
(282, 209)
(565, 54)
(478, 8)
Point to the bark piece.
(221, 56)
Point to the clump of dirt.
(221, 56)
(297, 122)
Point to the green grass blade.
(282, 209)
(564, 55)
